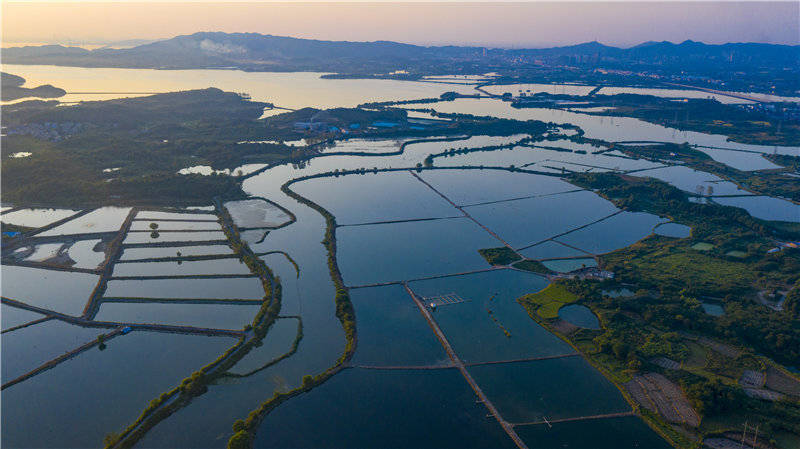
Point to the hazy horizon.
(534, 24)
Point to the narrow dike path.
(508, 428)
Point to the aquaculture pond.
(393, 409)
(211, 314)
(487, 323)
(182, 268)
(392, 330)
(694, 181)
(400, 386)
(410, 250)
(147, 225)
(566, 387)
(609, 433)
(174, 251)
(378, 197)
(162, 215)
(223, 288)
(13, 317)
(618, 231)
(105, 219)
(35, 218)
(465, 187)
(60, 291)
(87, 253)
(740, 160)
(529, 221)
(142, 364)
(551, 249)
(172, 236)
(30, 347)
(256, 213)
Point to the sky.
(524, 24)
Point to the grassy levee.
(293, 349)
(499, 256)
(244, 430)
(173, 400)
(655, 422)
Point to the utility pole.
(755, 437)
(744, 433)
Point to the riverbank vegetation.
(197, 383)
(702, 115)
(244, 430)
(662, 327)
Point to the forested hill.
(259, 52)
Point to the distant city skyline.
(533, 24)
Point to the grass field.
(548, 301)
(702, 246)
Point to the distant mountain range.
(259, 52)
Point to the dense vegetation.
(499, 256)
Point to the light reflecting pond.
(286, 89)
(480, 336)
(528, 221)
(174, 251)
(105, 219)
(178, 268)
(149, 237)
(30, 347)
(13, 317)
(144, 225)
(247, 288)
(618, 231)
(579, 315)
(392, 330)
(477, 186)
(409, 250)
(214, 316)
(50, 289)
(256, 213)
(764, 207)
(35, 218)
(159, 360)
(549, 250)
(673, 230)
(375, 197)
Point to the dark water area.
(580, 316)
(389, 409)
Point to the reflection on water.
(290, 90)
